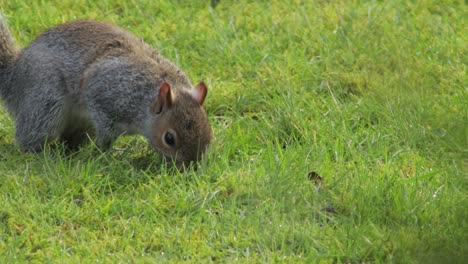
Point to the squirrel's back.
(79, 43)
(71, 48)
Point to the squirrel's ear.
(164, 99)
(199, 93)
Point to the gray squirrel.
(88, 78)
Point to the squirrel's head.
(180, 130)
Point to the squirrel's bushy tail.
(8, 54)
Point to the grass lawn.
(340, 137)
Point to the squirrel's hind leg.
(40, 123)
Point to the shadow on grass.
(10, 147)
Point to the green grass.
(370, 95)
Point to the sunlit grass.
(340, 136)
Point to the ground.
(339, 137)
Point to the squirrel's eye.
(169, 139)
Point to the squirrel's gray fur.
(91, 78)
(8, 55)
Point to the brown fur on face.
(185, 119)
